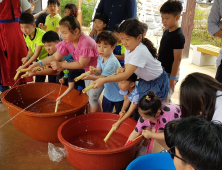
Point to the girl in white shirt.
(141, 59)
(201, 94)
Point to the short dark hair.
(53, 2)
(132, 78)
(199, 143)
(106, 36)
(169, 131)
(71, 22)
(101, 17)
(150, 107)
(26, 18)
(116, 28)
(50, 36)
(173, 7)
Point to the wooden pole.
(79, 17)
(187, 25)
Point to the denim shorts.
(160, 86)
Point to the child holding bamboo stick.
(154, 115)
(107, 64)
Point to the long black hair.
(198, 95)
(134, 28)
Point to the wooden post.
(187, 25)
(79, 17)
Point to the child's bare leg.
(161, 142)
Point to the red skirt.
(12, 50)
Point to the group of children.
(138, 90)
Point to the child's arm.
(30, 54)
(92, 33)
(126, 116)
(176, 65)
(55, 57)
(58, 30)
(80, 64)
(33, 58)
(37, 15)
(71, 86)
(133, 135)
(120, 57)
(129, 70)
(148, 134)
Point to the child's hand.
(147, 134)
(86, 77)
(59, 99)
(116, 125)
(120, 70)
(21, 67)
(61, 80)
(34, 64)
(24, 60)
(121, 114)
(99, 82)
(56, 65)
(172, 83)
(92, 70)
(40, 25)
(220, 26)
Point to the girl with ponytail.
(141, 59)
(83, 50)
(154, 115)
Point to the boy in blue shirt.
(106, 66)
(172, 42)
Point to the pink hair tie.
(148, 98)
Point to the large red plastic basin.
(42, 127)
(90, 159)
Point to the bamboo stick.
(109, 134)
(16, 76)
(137, 138)
(56, 108)
(24, 75)
(81, 76)
(88, 88)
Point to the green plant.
(87, 8)
(200, 34)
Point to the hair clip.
(121, 23)
(148, 98)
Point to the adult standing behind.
(12, 43)
(116, 11)
(215, 29)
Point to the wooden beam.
(79, 17)
(187, 25)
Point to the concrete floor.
(19, 152)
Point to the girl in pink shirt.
(154, 115)
(82, 48)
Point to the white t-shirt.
(148, 68)
(218, 107)
(25, 5)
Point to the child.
(33, 41)
(99, 22)
(71, 9)
(131, 98)
(197, 144)
(119, 51)
(141, 58)
(52, 20)
(154, 114)
(172, 42)
(201, 94)
(107, 65)
(82, 48)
